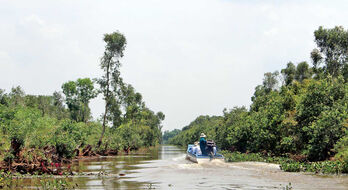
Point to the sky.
(186, 57)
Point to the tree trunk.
(106, 105)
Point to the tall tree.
(17, 95)
(86, 92)
(333, 44)
(317, 59)
(270, 81)
(71, 100)
(289, 73)
(109, 83)
(58, 103)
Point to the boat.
(201, 158)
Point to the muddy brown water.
(167, 168)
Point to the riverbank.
(58, 175)
(48, 162)
(290, 164)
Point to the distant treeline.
(42, 129)
(301, 111)
(169, 134)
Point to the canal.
(167, 168)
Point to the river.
(167, 168)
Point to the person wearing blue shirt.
(203, 144)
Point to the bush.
(291, 167)
(342, 151)
(130, 138)
(242, 157)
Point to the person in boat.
(208, 148)
(211, 148)
(196, 149)
(203, 144)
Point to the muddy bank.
(49, 160)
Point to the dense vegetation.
(36, 130)
(169, 134)
(302, 113)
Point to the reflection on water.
(166, 168)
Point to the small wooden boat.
(201, 158)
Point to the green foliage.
(333, 167)
(190, 133)
(288, 164)
(291, 167)
(306, 117)
(27, 128)
(78, 94)
(326, 131)
(169, 134)
(4, 146)
(270, 81)
(303, 71)
(130, 138)
(111, 80)
(302, 118)
(57, 183)
(341, 148)
(333, 47)
(241, 157)
(235, 138)
(5, 180)
(39, 128)
(289, 73)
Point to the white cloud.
(271, 32)
(34, 19)
(44, 29)
(273, 16)
(4, 56)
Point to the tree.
(86, 92)
(44, 104)
(270, 81)
(17, 96)
(333, 44)
(3, 97)
(345, 72)
(58, 101)
(109, 83)
(70, 92)
(132, 103)
(303, 71)
(78, 94)
(169, 134)
(160, 117)
(317, 59)
(289, 73)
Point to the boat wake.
(180, 158)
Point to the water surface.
(167, 168)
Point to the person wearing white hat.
(203, 144)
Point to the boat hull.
(204, 159)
